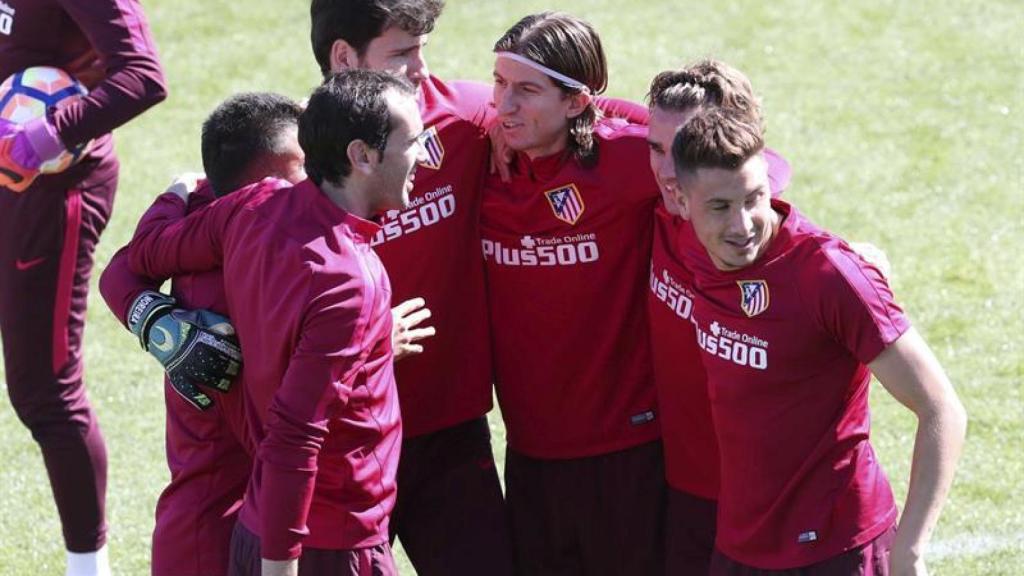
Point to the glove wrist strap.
(44, 139)
(147, 308)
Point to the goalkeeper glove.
(194, 346)
(23, 149)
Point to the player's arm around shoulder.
(911, 373)
(167, 242)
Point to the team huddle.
(682, 359)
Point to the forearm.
(134, 79)
(288, 470)
(937, 447)
(167, 243)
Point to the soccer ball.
(31, 93)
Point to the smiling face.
(730, 210)
(395, 51)
(662, 126)
(394, 174)
(533, 112)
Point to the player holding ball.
(49, 227)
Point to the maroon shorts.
(871, 559)
(689, 533)
(450, 514)
(597, 515)
(371, 561)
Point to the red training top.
(311, 303)
(567, 252)
(429, 250)
(785, 342)
(691, 450)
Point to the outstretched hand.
(405, 330)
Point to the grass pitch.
(902, 121)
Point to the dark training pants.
(47, 237)
(689, 534)
(602, 515)
(450, 514)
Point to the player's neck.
(349, 198)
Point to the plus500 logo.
(731, 350)
(412, 219)
(675, 299)
(552, 255)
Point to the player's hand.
(194, 346)
(903, 562)
(873, 255)
(19, 163)
(405, 330)
(185, 184)
(501, 154)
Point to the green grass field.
(903, 123)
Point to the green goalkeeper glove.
(193, 346)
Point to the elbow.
(949, 419)
(958, 417)
(107, 290)
(147, 77)
(156, 90)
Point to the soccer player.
(49, 227)
(320, 395)
(449, 513)
(688, 434)
(792, 324)
(248, 137)
(567, 250)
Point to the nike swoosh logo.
(168, 342)
(26, 264)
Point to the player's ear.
(681, 201)
(578, 102)
(343, 56)
(363, 157)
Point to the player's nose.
(417, 71)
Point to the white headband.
(570, 82)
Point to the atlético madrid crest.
(753, 296)
(433, 151)
(566, 203)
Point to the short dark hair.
(360, 21)
(569, 46)
(348, 106)
(704, 84)
(716, 138)
(242, 130)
